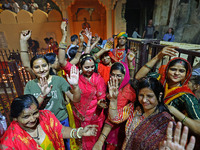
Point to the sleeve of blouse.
(67, 67)
(123, 114)
(101, 88)
(192, 106)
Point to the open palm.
(74, 76)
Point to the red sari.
(126, 94)
(17, 138)
(87, 111)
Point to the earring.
(160, 96)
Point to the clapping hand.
(74, 76)
(43, 84)
(178, 141)
(113, 88)
(90, 130)
(25, 35)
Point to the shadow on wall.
(40, 23)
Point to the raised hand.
(43, 84)
(178, 141)
(113, 88)
(131, 56)
(25, 35)
(168, 51)
(109, 44)
(74, 76)
(102, 103)
(81, 36)
(63, 26)
(90, 130)
(88, 34)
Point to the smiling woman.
(174, 76)
(33, 129)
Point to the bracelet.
(42, 96)
(112, 108)
(24, 51)
(78, 132)
(95, 55)
(184, 119)
(71, 133)
(133, 68)
(104, 136)
(63, 45)
(148, 66)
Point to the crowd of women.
(102, 105)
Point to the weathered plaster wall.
(182, 15)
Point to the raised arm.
(24, 36)
(166, 51)
(88, 34)
(130, 58)
(193, 124)
(75, 60)
(63, 45)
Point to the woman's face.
(40, 68)
(170, 30)
(147, 99)
(176, 74)
(106, 59)
(122, 41)
(116, 74)
(28, 119)
(88, 68)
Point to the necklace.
(37, 137)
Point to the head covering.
(196, 72)
(126, 76)
(122, 34)
(165, 70)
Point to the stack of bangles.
(95, 55)
(75, 133)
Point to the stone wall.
(182, 15)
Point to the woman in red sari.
(34, 129)
(120, 71)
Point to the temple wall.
(41, 24)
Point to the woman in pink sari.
(93, 93)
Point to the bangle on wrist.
(24, 51)
(133, 68)
(42, 96)
(104, 136)
(81, 128)
(63, 45)
(148, 66)
(112, 108)
(184, 119)
(71, 133)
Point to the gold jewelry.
(112, 108)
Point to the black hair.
(85, 57)
(51, 57)
(171, 32)
(50, 38)
(74, 37)
(195, 79)
(175, 61)
(100, 41)
(22, 102)
(72, 52)
(46, 40)
(118, 66)
(37, 57)
(156, 87)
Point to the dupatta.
(177, 91)
(149, 133)
(16, 137)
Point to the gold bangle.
(184, 119)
